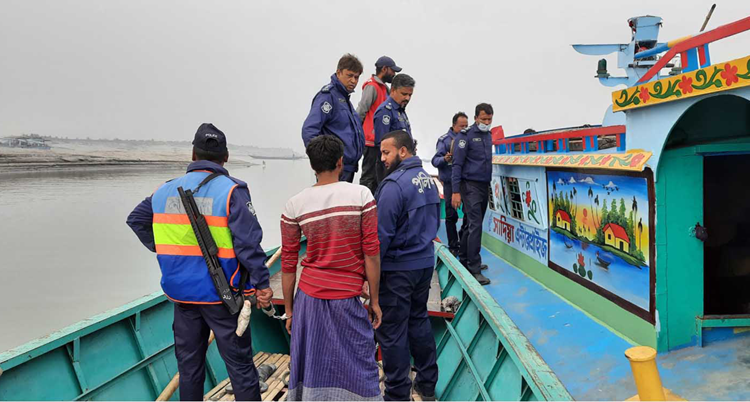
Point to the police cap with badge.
(210, 139)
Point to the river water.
(67, 253)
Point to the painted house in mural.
(626, 206)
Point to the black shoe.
(430, 397)
(483, 267)
(483, 280)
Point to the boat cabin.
(641, 222)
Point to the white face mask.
(483, 127)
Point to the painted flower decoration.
(581, 263)
(730, 74)
(528, 198)
(686, 85)
(644, 95)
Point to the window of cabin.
(516, 205)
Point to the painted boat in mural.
(604, 252)
(128, 353)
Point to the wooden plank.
(275, 281)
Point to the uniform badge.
(386, 119)
(462, 143)
(251, 208)
(326, 107)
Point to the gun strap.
(206, 180)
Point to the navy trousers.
(346, 176)
(475, 195)
(406, 333)
(192, 324)
(451, 218)
(370, 159)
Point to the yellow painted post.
(646, 374)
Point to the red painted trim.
(618, 140)
(685, 59)
(609, 130)
(701, 55)
(713, 35)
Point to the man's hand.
(264, 297)
(448, 157)
(376, 315)
(456, 200)
(365, 291)
(289, 323)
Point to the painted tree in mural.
(565, 202)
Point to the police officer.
(332, 113)
(443, 161)
(374, 92)
(471, 176)
(408, 221)
(161, 224)
(391, 114)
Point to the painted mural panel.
(600, 232)
(517, 214)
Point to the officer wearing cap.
(162, 226)
(332, 113)
(374, 92)
(443, 161)
(470, 177)
(391, 114)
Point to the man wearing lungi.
(332, 339)
(408, 221)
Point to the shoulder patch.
(462, 143)
(326, 107)
(388, 106)
(386, 119)
(326, 88)
(251, 208)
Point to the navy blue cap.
(210, 139)
(386, 61)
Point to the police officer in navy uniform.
(471, 176)
(408, 221)
(391, 114)
(443, 161)
(332, 113)
(162, 226)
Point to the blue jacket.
(408, 218)
(389, 117)
(332, 113)
(242, 222)
(443, 147)
(472, 157)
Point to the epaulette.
(238, 181)
(388, 106)
(442, 137)
(326, 88)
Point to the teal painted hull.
(128, 353)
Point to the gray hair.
(402, 80)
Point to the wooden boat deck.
(277, 389)
(433, 302)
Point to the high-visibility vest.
(184, 274)
(367, 125)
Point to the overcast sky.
(157, 69)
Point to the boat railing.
(482, 354)
(585, 139)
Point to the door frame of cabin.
(680, 264)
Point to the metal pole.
(708, 17)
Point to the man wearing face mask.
(408, 221)
(332, 113)
(391, 114)
(470, 177)
(374, 92)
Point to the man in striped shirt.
(332, 334)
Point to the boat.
(603, 259)
(128, 353)
(547, 327)
(671, 150)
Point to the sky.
(141, 69)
